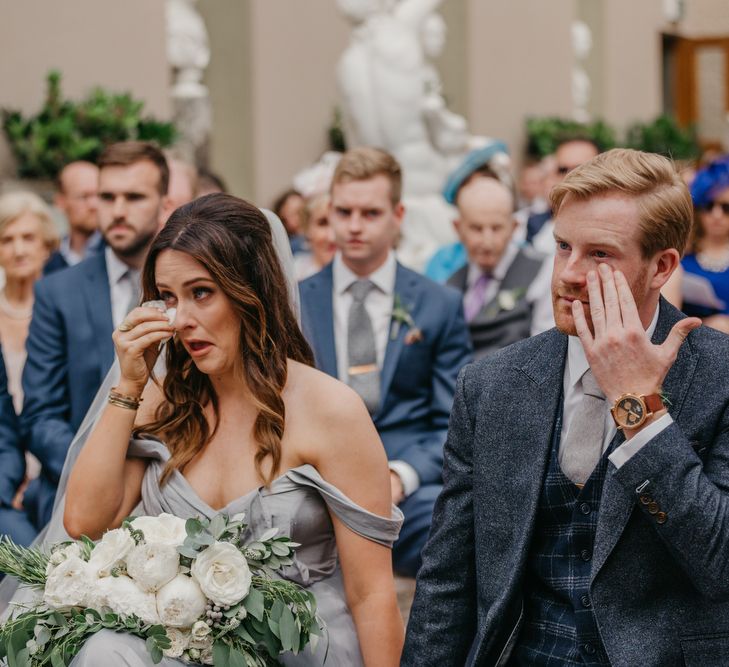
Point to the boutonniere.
(401, 315)
(508, 298)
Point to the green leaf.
(194, 527)
(288, 632)
(254, 603)
(221, 654)
(236, 659)
(56, 658)
(269, 534)
(244, 634)
(218, 525)
(42, 635)
(155, 651)
(279, 549)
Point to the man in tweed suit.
(559, 539)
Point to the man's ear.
(665, 263)
(165, 211)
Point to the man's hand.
(619, 351)
(396, 487)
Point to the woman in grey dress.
(242, 423)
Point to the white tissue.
(160, 305)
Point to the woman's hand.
(137, 342)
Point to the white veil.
(54, 531)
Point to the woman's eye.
(168, 298)
(200, 292)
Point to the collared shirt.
(120, 285)
(71, 256)
(379, 304)
(574, 370)
(539, 292)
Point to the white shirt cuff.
(408, 476)
(628, 449)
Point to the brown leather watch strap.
(654, 403)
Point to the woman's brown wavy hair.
(232, 240)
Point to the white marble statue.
(581, 85)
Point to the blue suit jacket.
(418, 380)
(12, 456)
(659, 584)
(69, 352)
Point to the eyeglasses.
(708, 207)
(562, 170)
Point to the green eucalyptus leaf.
(289, 634)
(57, 659)
(254, 603)
(221, 654)
(218, 525)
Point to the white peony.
(206, 656)
(60, 555)
(111, 551)
(153, 565)
(200, 635)
(180, 602)
(68, 584)
(223, 574)
(162, 529)
(123, 597)
(179, 640)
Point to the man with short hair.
(501, 282)
(570, 153)
(395, 337)
(75, 311)
(585, 512)
(77, 198)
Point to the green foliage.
(664, 136)
(64, 131)
(335, 131)
(27, 565)
(543, 134)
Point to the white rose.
(125, 598)
(162, 529)
(180, 602)
(153, 565)
(206, 656)
(223, 574)
(179, 640)
(68, 584)
(200, 635)
(111, 551)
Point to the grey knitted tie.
(364, 375)
(136, 289)
(581, 448)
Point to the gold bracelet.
(123, 400)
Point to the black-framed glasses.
(708, 207)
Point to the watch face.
(629, 412)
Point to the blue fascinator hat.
(709, 181)
(474, 160)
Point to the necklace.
(713, 264)
(11, 311)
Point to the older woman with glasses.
(706, 264)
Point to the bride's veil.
(54, 531)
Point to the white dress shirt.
(573, 371)
(539, 292)
(120, 285)
(378, 304)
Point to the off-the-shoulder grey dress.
(298, 503)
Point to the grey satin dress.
(298, 503)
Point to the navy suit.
(12, 468)
(417, 385)
(69, 353)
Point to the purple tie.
(475, 297)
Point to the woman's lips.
(198, 347)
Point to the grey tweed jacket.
(660, 569)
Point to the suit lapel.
(409, 293)
(322, 321)
(97, 298)
(617, 502)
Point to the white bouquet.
(192, 589)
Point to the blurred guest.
(27, 238)
(77, 198)
(183, 182)
(209, 182)
(530, 188)
(14, 522)
(570, 153)
(706, 265)
(501, 282)
(289, 206)
(395, 337)
(319, 237)
(69, 344)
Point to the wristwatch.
(632, 410)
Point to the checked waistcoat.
(559, 627)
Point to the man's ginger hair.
(664, 203)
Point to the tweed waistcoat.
(559, 626)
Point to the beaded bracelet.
(124, 401)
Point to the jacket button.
(644, 499)
(585, 555)
(588, 648)
(653, 507)
(661, 517)
(585, 600)
(585, 508)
